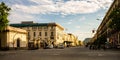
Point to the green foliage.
(4, 12)
(115, 17)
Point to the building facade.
(13, 37)
(105, 32)
(70, 39)
(42, 34)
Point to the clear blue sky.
(76, 16)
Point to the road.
(74, 53)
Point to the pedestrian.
(90, 46)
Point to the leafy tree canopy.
(4, 12)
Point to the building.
(70, 40)
(42, 34)
(86, 41)
(105, 33)
(13, 37)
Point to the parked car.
(49, 47)
(61, 46)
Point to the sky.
(78, 17)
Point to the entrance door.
(18, 42)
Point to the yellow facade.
(47, 33)
(70, 39)
(50, 33)
(13, 37)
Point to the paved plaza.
(73, 53)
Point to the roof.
(29, 25)
(36, 24)
(9, 28)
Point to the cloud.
(64, 8)
(42, 2)
(77, 7)
(22, 11)
(42, 9)
(16, 17)
(104, 3)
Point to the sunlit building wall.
(73, 39)
(13, 37)
(51, 33)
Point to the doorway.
(18, 42)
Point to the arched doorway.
(18, 42)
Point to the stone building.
(42, 34)
(110, 35)
(70, 40)
(73, 39)
(13, 37)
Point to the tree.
(4, 12)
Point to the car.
(61, 46)
(49, 47)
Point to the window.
(34, 28)
(51, 33)
(39, 27)
(51, 37)
(45, 27)
(28, 34)
(45, 33)
(27, 27)
(39, 33)
(51, 27)
(34, 34)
